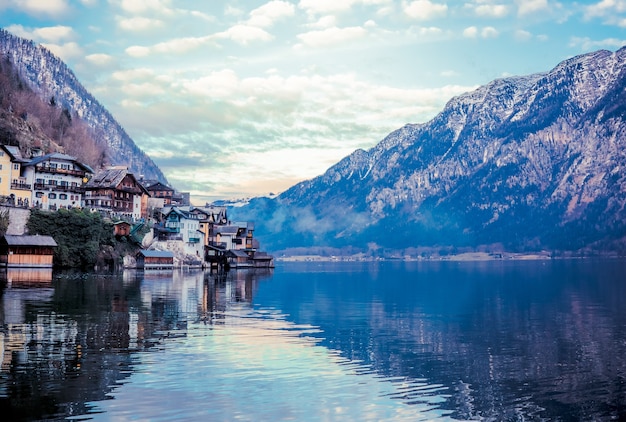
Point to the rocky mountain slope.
(48, 75)
(529, 163)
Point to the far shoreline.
(461, 257)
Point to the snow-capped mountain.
(530, 162)
(48, 75)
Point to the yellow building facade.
(12, 185)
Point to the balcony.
(21, 186)
(58, 170)
(56, 187)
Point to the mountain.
(51, 78)
(523, 163)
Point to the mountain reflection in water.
(541, 340)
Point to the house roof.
(111, 179)
(156, 254)
(237, 253)
(158, 186)
(15, 153)
(29, 240)
(60, 157)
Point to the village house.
(161, 191)
(14, 189)
(57, 180)
(27, 251)
(231, 242)
(116, 193)
(183, 224)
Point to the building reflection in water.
(68, 340)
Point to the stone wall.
(17, 220)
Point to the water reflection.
(511, 340)
(400, 341)
(69, 341)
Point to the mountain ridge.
(530, 162)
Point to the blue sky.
(244, 98)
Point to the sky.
(234, 99)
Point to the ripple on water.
(255, 365)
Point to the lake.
(375, 341)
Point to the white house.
(57, 180)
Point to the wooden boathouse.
(155, 260)
(27, 251)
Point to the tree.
(80, 235)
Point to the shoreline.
(461, 257)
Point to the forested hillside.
(28, 121)
(50, 78)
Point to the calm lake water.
(497, 340)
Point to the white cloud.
(491, 10)
(486, 32)
(50, 34)
(316, 7)
(423, 31)
(138, 24)
(175, 46)
(100, 59)
(610, 11)
(425, 10)
(327, 21)
(245, 34)
(39, 8)
(67, 52)
(489, 32)
(266, 15)
(605, 8)
(144, 6)
(587, 44)
(324, 7)
(525, 7)
(332, 36)
(522, 35)
(470, 32)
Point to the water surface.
(497, 340)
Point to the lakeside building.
(56, 179)
(27, 251)
(206, 232)
(155, 260)
(116, 193)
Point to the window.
(0, 166)
(39, 194)
(52, 195)
(16, 166)
(62, 196)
